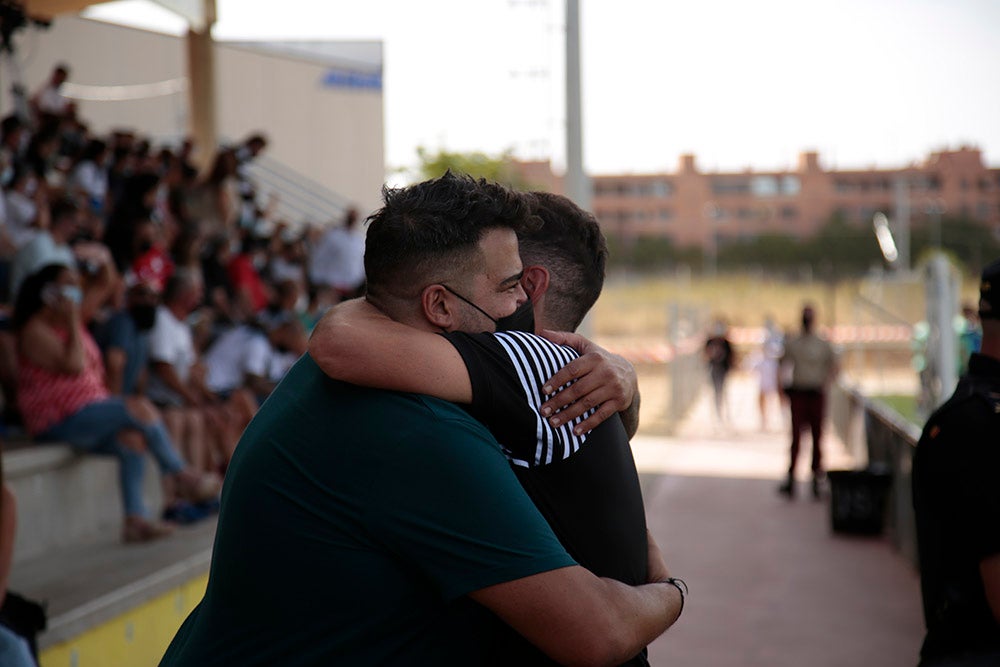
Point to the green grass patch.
(905, 405)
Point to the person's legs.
(816, 430)
(93, 430)
(797, 409)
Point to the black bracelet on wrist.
(681, 587)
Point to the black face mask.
(144, 316)
(522, 319)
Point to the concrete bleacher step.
(65, 498)
(104, 597)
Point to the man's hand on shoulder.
(600, 380)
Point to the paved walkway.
(771, 585)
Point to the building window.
(982, 210)
(843, 186)
(790, 185)
(743, 213)
(722, 186)
(789, 213)
(666, 214)
(764, 186)
(662, 188)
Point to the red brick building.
(689, 206)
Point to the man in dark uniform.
(583, 481)
(956, 497)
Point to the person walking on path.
(814, 365)
(719, 357)
(956, 500)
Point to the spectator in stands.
(27, 207)
(124, 340)
(219, 293)
(48, 246)
(337, 260)
(62, 396)
(49, 101)
(288, 263)
(14, 649)
(196, 417)
(43, 153)
(215, 200)
(89, 178)
(237, 368)
(245, 271)
(14, 138)
(133, 206)
(246, 153)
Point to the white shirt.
(21, 214)
(338, 260)
(171, 342)
(236, 353)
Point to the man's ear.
(438, 307)
(535, 282)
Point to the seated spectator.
(49, 246)
(48, 101)
(195, 415)
(124, 340)
(337, 259)
(219, 293)
(62, 396)
(27, 207)
(245, 271)
(89, 178)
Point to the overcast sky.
(739, 83)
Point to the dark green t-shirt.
(353, 524)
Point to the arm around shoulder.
(357, 343)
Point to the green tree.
(499, 168)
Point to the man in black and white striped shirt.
(568, 448)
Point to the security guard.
(956, 497)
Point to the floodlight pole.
(577, 183)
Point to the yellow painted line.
(136, 638)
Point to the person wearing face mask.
(124, 339)
(576, 468)
(62, 396)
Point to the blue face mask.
(522, 319)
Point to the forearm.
(577, 618)
(357, 343)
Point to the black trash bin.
(858, 500)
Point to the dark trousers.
(807, 411)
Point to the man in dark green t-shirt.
(365, 527)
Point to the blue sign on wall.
(339, 78)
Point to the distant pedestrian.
(765, 366)
(814, 366)
(720, 359)
(956, 498)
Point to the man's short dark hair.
(429, 233)
(570, 245)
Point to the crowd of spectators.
(129, 277)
